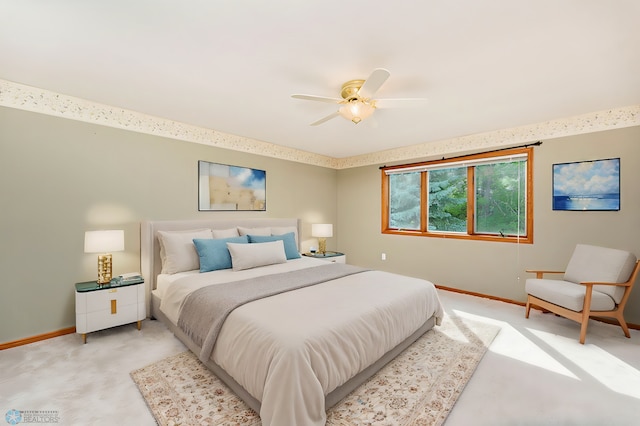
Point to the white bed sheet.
(314, 339)
(163, 281)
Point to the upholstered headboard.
(150, 263)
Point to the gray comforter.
(205, 310)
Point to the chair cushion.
(567, 294)
(592, 263)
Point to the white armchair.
(596, 283)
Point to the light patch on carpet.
(419, 387)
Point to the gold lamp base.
(104, 269)
(322, 245)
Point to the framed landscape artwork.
(587, 185)
(225, 187)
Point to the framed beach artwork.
(587, 185)
(225, 187)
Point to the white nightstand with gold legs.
(103, 306)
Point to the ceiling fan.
(357, 101)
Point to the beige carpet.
(419, 387)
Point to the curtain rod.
(484, 152)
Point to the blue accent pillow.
(289, 241)
(214, 254)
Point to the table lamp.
(322, 231)
(104, 242)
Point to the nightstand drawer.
(100, 320)
(337, 259)
(102, 300)
(330, 256)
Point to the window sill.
(479, 237)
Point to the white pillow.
(225, 233)
(247, 256)
(177, 251)
(254, 231)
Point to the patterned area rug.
(419, 387)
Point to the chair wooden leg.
(586, 310)
(583, 329)
(526, 313)
(623, 324)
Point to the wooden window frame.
(471, 234)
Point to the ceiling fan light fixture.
(356, 110)
(358, 101)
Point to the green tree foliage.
(404, 200)
(500, 190)
(500, 198)
(448, 200)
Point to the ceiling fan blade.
(373, 83)
(317, 98)
(327, 118)
(401, 103)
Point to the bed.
(291, 335)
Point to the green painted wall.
(498, 268)
(60, 178)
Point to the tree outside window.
(448, 200)
(483, 196)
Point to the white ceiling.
(232, 65)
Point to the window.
(484, 197)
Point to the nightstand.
(104, 306)
(329, 256)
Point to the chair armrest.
(540, 272)
(627, 284)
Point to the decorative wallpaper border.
(587, 123)
(43, 101)
(14, 95)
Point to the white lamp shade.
(322, 230)
(103, 241)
